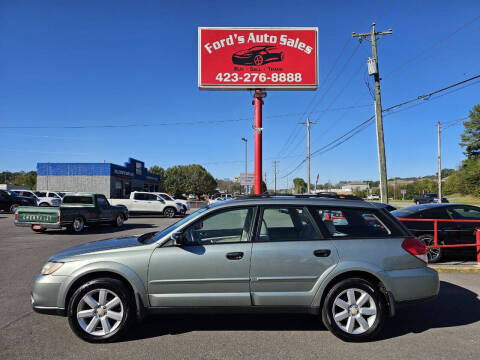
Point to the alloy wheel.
(100, 312)
(432, 253)
(169, 212)
(119, 220)
(354, 311)
(78, 224)
(13, 208)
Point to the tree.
(229, 186)
(471, 135)
(264, 188)
(189, 179)
(157, 170)
(299, 185)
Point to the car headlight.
(50, 267)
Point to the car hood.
(96, 246)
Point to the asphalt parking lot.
(446, 328)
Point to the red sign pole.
(258, 102)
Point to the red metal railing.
(435, 233)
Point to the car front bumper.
(45, 294)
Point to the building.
(10, 187)
(355, 185)
(114, 181)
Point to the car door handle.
(322, 253)
(234, 255)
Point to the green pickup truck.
(76, 211)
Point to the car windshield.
(403, 213)
(78, 200)
(257, 48)
(172, 227)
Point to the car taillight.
(415, 247)
(16, 216)
(58, 218)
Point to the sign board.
(403, 191)
(247, 179)
(257, 58)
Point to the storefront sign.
(251, 58)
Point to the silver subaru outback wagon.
(344, 260)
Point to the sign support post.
(258, 102)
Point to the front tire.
(119, 220)
(101, 310)
(169, 212)
(13, 208)
(434, 255)
(354, 310)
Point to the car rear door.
(290, 257)
(211, 269)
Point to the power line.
(176, 123)
(435, 44)
(454, 122)
(363, 125)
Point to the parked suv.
(345, 260)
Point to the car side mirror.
(178, 238)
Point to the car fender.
(349, 266)
(106, 266)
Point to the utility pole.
(373, 70)
(439, 165)
(308, 123)
(288, 192)
(275, 176)
(246, 166)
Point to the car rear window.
(78, 200)
(354, 223)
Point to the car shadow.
(99, 229)
(438, 313)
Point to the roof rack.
(330, 195)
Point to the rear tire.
(13, 208)
(44, 204)
(78, 225)
(101, 310)
(354, 310)
(434, 255)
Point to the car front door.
(289, 257)
(104, 208)
(211, 268)
(467, 230)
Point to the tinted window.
(287, 224)
(224, 227)
(41, 194)
(78, 200)
(102, 201)
(151, 197)
(139, 196)
(464, 212)
(434, 213)
(353, 223)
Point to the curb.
(474, 269)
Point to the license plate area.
(37, 227)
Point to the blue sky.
(87, 63)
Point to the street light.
(246, 169)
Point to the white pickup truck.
(149, 203)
